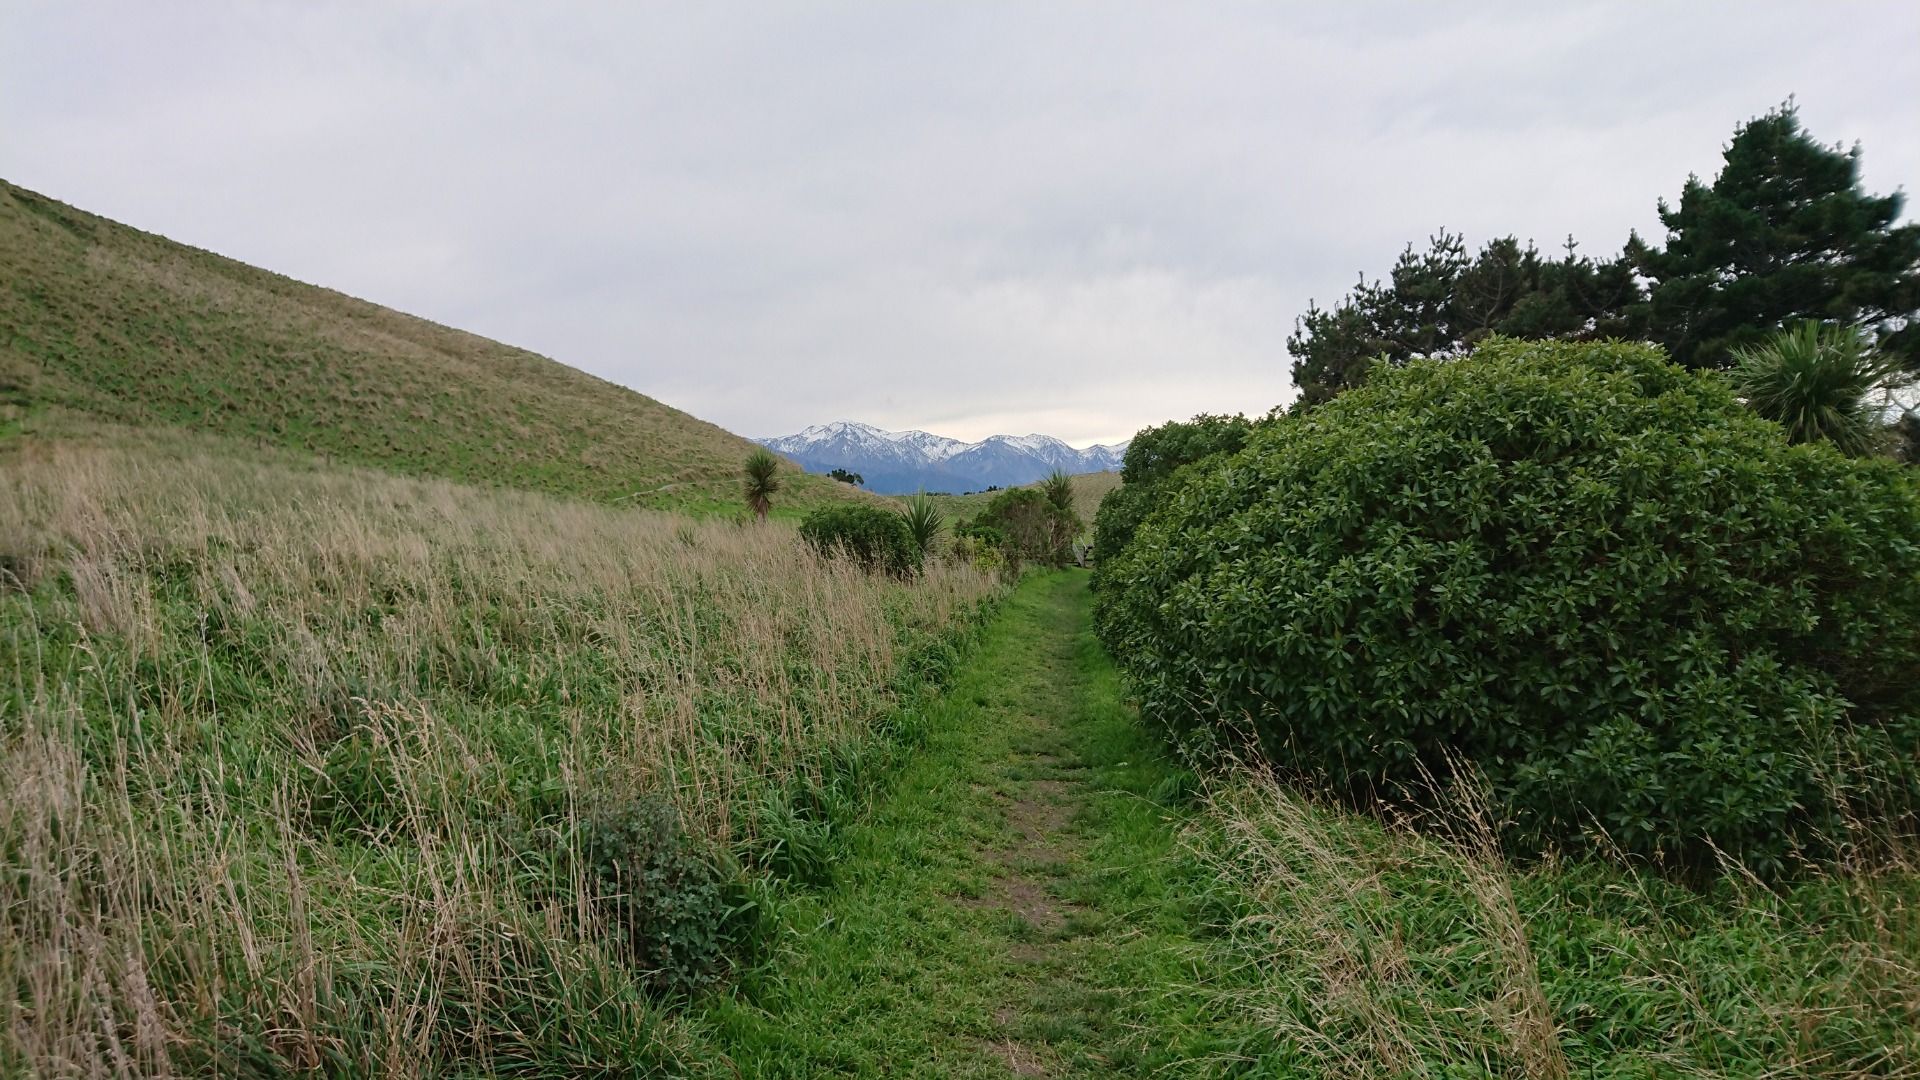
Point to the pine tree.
(1784, 233)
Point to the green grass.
(1016, 900)
(112, 323)
(1034, 895)
(314, 768)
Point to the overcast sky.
(969, 218)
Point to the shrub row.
(1653, 624)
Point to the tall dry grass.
(270, 737)
(1357, 946)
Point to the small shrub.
(657, 892)
(877, 539)
(760, 481)
(1653, 624)
(1032, 528)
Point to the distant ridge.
(100, 319)
(899, 462)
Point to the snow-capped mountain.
(899, 462)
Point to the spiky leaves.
(1814, 379)
(761, 481)
(924, 521)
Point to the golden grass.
(269, 732)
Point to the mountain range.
(900, 462)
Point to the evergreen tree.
(1784, 233)
(1442, 302)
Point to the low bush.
(877, 539)
(665, 901)
(1654, 625)
(1032, 528)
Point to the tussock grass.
(119, 324)
(293, 760)
(1370, 948)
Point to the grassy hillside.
(109, 322)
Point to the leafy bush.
(877, 539)
(1153, 459)
(1032, 528)
(1591, 573)
(665, 901)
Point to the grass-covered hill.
(99, 320)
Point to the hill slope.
(119, 324)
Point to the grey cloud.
(1075, 219)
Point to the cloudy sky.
(970, 218)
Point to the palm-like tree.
(1814, 379)
(762, 481)
(1058, 488)
(924, 520)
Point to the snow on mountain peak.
(901, 461)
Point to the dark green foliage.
(1814, 380)
(664, 899)
(1153, 457)
(1783, 233)
(1442, 301)
(1156, 452)
(877, 539)
(1031, 527)
(846, 477)
(1589, 572)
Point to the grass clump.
(1358, 947)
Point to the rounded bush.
(1649, 621)
(877, 539)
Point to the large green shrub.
(877, 539)
(1587, 571)
(1032, 527)
(1153, 461)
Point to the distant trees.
(1029, 527)
(1783, 233)
(846, 477)
(1442, 301)
(761, 481)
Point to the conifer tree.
(1784, 233)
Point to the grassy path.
(1010, 905)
